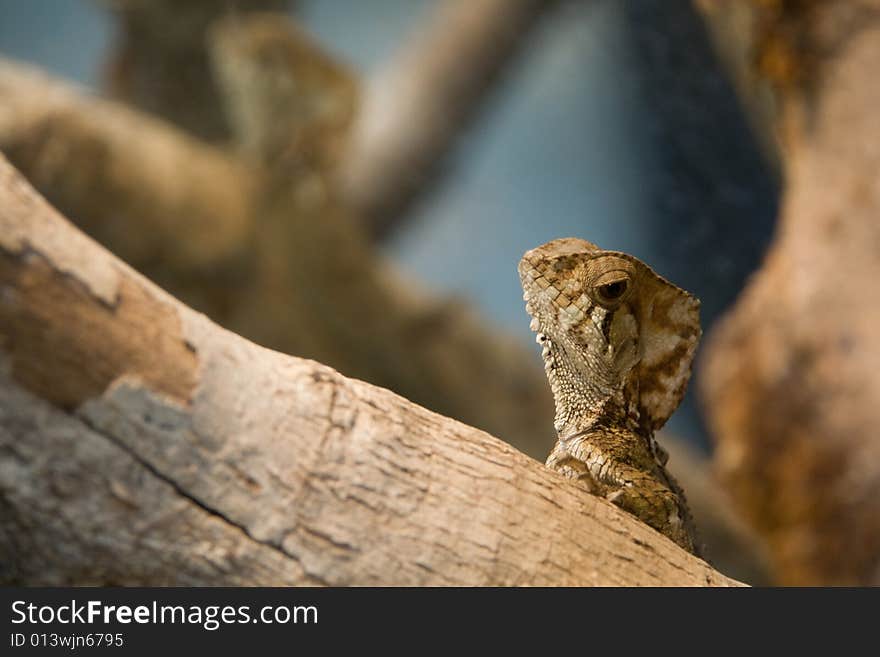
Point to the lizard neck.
(606, 414)
(582, 408)
(608, 421)
(589, 401)
(612, 414)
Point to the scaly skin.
(618, 341)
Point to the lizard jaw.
(577, 399)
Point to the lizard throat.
(586, 395)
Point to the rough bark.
(416, 107)
(269, 254)
(142, 444)
(791, 374)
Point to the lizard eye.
(611, 287)
(612, 291)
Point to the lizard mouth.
(542, 339)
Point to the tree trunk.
(791, 381)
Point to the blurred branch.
(159, 62)
(416, 109)
(791, 380)
(731, 545)
(290, 105)
(412, 114)
(99, 161)
(735, 28)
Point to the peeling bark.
(270, 469)
(67, 346)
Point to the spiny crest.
(568, 277)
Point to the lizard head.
(618, 340)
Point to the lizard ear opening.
(669, 331)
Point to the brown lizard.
(618, 341)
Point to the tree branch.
(97, 160)
(159, 62)
(414, 111)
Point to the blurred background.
(576, 135)
(356, 181)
